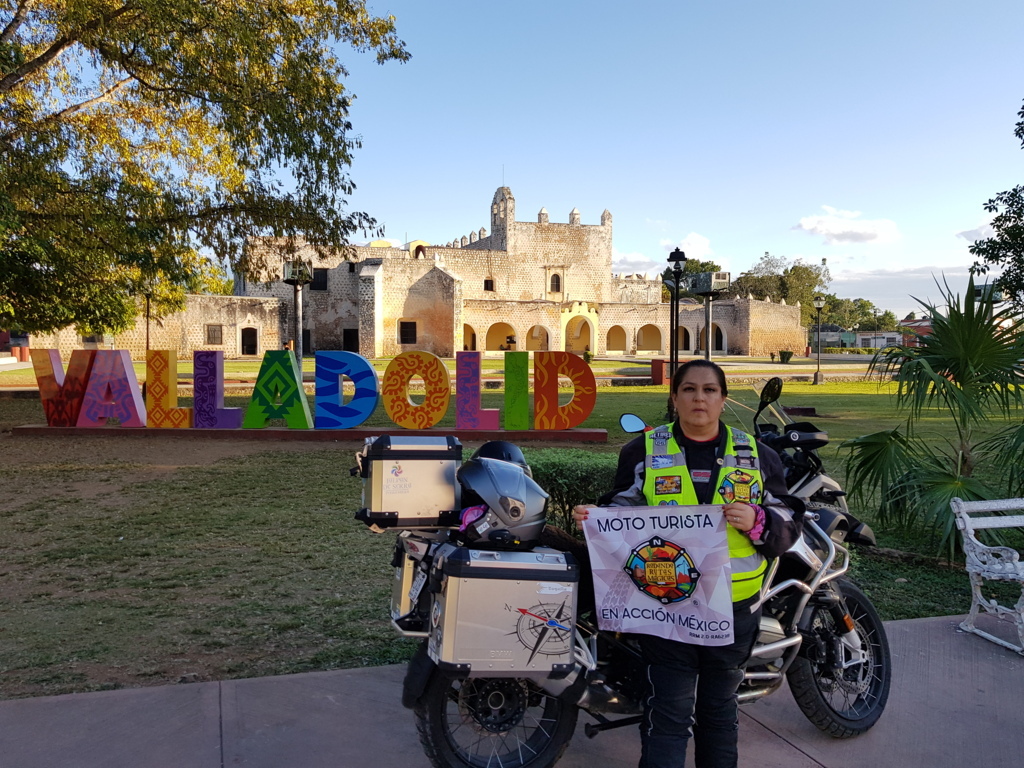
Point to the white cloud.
(898, 289)
(635, 264)
(838, 226)
(979, 233)
(693, 245)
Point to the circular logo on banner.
(662, 570)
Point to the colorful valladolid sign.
(101, 384)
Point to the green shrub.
(848, 351)
(571, 476)
(785, 355)
(587, 356)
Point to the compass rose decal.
(545, 629)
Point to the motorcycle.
(818, 631)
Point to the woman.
(692, 688)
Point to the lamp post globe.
(297, 273)
(676, 259)
(819, 304)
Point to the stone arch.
(497, 337)
(718, 338)
(538, 339)
(617, 340)
(468, 337)
(684, 338)
(580, 326)
(648, 339)
(579, 335)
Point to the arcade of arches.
(649, 339)
(580, 337)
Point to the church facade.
(537, 285)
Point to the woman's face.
(699, 401)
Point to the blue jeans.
(692, 690)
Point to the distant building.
(914, 328)
(521, 286)
(878, 339)
(238, 326)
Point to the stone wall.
(186, 331)
(772, 327)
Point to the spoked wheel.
(491, 722)
(841, 694)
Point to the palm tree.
(967, 368)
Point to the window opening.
(406, 332)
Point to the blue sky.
(869, 134)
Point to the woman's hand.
(580, 513)
(737, 514)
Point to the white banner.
(662, 571)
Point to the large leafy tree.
(969, 369)
(1005, 249)
(134, 133)
(690, 267)
(779, 278)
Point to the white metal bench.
(995, 563)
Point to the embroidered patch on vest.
(668, 484)
(661, 462)
(739, 486)
(701, 475)
(740, 438)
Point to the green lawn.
(136, 569)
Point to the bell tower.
(503, 217)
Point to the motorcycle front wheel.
(489, 722)
(843, 702)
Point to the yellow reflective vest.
(667, 481)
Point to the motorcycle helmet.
(509, 510)
(503, 451)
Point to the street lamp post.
(819, 304)
(676, 259)
(297, 273)
(149, 295)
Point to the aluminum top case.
(503, 614)
(409, 482)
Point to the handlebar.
(793, 438)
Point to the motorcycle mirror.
(630, 423)
(771, 391)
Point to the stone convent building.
(522, 286)
(529, 286)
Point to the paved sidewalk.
(956, 700)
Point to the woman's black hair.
(698, 363)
